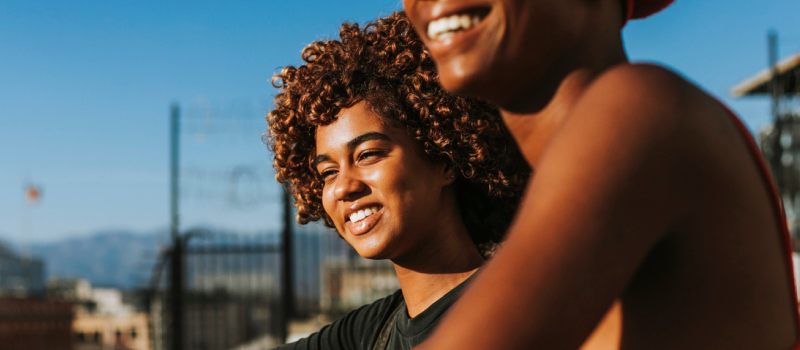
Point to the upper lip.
(358, 206)
(446, 8)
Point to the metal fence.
(232, 289)
(214, 290)
(229, 293)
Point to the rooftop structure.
(788, 79)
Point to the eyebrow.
(352, 144)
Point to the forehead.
(349, 124)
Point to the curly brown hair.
(385, 65)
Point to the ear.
(448, 173)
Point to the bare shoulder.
(641, 119)
(648, 91)
(653, 85)
(647, 100)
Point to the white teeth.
(361, 214)
(446, 27)
(465, 22)
(454, 22)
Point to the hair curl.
(386, 65)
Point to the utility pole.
(777, 149)
(176, 266)
(772, 39)
(287, 304)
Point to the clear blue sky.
(85, 88)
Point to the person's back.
(647, 194)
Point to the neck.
(533, 130)
(536, 113)
(421, 290)
(447, 259)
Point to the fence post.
(287, 302)
(176, 263)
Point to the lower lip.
(365, 225)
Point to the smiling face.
(385, 197)
(523, 46)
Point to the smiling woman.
(403, 170)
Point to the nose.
(348, 185)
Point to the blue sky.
(85, 89)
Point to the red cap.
(642, 8)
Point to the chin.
(467, 79)
(372, 254)
(371, 250)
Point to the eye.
(369, 155)
(328, 174)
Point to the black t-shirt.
(358, 330)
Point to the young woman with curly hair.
(372, 146)
(651, 222)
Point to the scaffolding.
(780, 142)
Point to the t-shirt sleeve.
(357, 330)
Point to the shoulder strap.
(383, 336)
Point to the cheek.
(387, 181)
(410, 7)
(329, 204)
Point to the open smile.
(362, 221)
(447, 26)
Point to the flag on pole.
(33, 194)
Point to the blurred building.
(223, 321)
(780, 141)
(228, 297)
(231, 294)
(109, 331)
(77, 291)
(102, 320)
(72, 289)
(35, 324)
(26, 320)
(19, 275)
(349, 284)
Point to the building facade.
(35, 324)
(20, 275)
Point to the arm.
(603, 194)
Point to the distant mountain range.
(119, 259)
(125, 259)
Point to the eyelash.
(369, 153)
(325, 175)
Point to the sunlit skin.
(647, 224)
(366, 162)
